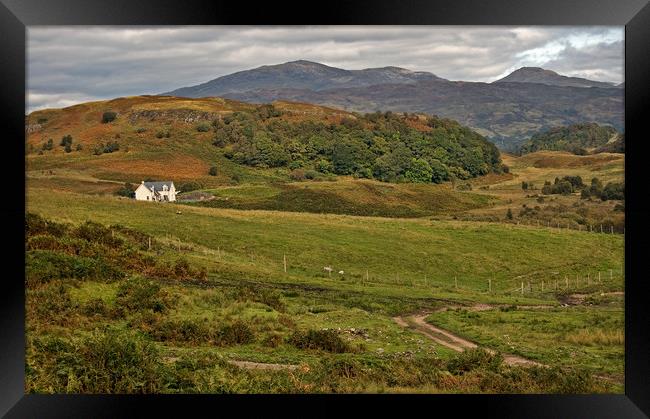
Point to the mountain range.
(507, 111)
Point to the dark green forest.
(385, 146)
(574, 138)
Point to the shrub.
(297, 175)
(203, 127)
(138, 294)
(327, 340)
(472, 359)
(35, 224)
(107, 361)
(50, 304)
(613, 190)
(127, 190)
(273, 340)
(42, 266)
(97, 233)
(509, 214)
(190, 186)
(191, 331)
(94, 307)
(213, 171)
(237, 333)
(108, 117)
(79, 147)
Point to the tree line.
(385, 146)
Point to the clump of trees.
(611, 191)
(381, 146)
(109, 147)
(564, 186)
(570, 184)
(48, 145)
(163, 134)
(66, 143)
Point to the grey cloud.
(71, 64)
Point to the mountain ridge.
(505, 112)
(300, 74)
(549, 77)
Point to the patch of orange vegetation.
(492, 178)
(176, 167)
(567, 160)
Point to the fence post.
(284, 258)
(456, 282)
(489, 285)
(522, 287)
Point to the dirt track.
(452, 341)
(262, 366)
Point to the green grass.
(345, 196)
(381, 355)
(591, 337)
(393, 251)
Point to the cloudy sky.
(69, 65)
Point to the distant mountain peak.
(302, 74)
(550, 77)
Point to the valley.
(230, 293)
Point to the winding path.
(452, 341)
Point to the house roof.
(158, 186)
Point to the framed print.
(383, 204)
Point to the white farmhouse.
(156, 191)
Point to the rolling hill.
(507, 111)
(182, 138)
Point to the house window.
(147, 198)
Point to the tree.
(66, 141)
(108, 116)
(68, 148)
(419, 171)
(127, 190)
(509, 214)
(48, 145)
(524, 185)
(79, 147)
(213, 171)
(439, 171)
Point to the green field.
(391, 267)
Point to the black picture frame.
(15, 15)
